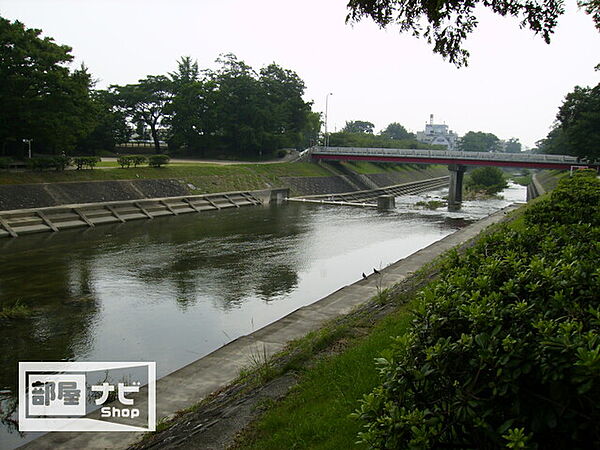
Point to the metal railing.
(445, 154)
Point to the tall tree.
(358, 126)
(288, 112)
(478, 141)
(41, 98)
(241, 107)
(512, 146)
(577, 128)
(396, 131)
(111, 126)
(184, 112)
(447, 23)
(145, 102)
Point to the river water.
(174, 289)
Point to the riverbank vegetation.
(502, 350)
(15, 311)
(485, 180)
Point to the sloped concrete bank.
(193, 383)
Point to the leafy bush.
(158, 160)
(5, 162)
(61, 162)
(124, 161)
(41, 163)
(504, 350)
(128, 160)
(82, 162)
(487, 179)
(139, 160)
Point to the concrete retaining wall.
(15, 223)
(40, 195)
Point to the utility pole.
(28, 142)
(326, 107)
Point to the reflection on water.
(172, 290)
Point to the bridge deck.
(444, 157)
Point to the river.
(174, 289)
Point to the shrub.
(61, 162)
(158, 160)
(505, 346)
(5, 162)
(40, 163)
(139, 160)
(86, 161)
(124, 161)
(487, 179)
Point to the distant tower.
(430, 119)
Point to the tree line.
(232, 110)
(360, 133)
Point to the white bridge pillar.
(456, 182)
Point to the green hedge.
(58, 163)
(504, 350)
(82, 162)
(158, 160)
(5, 162)
(126, 161)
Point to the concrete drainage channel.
(56, 218)
(369, 198)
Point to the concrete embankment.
(191, 384)
(15, 223)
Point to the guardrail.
(445, 154)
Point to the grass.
(205, 177)
(523, 180)
(16, 311)
(316, 413)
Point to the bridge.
(456, 161)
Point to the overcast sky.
(513, 86)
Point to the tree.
(145, 102)
(358, 126)
(288, 112)
(185, 112)
(41, 98)
(477, 141)
(111, 126)
(512, 146)
(241, 107)
(447, 23)
(396, 131)
(488, 179)
(577, 128)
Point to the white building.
(436, 134)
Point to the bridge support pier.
(456, 182)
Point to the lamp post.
(326, 107)
(28, 142)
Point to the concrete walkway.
(291, 156)
(190, 384)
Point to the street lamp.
(28, 141)
(326, 107)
